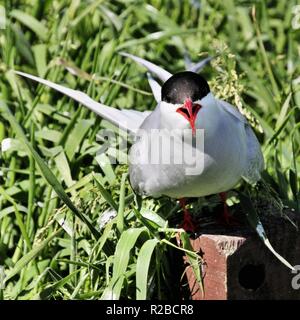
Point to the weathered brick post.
(239, 266)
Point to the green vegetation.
(56, 191)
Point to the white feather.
(161, 73)
(125, 119)
(232, 110)
(187, 61)
(255, 160)
(155, 87)
(199, 65)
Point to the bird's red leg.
(226, 218)
(188, 224)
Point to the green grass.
(55, 190)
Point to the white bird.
(184, 102)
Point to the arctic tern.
(184, 102)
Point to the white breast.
(225, 159)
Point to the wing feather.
(232, 110)
(255, 160)
(125, 119)
(161, 73)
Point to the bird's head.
(184, 98)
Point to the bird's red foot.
(188, 223)
(227, 219)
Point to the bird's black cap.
(184, 85)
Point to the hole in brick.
(251, 276)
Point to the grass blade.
(121, 259)
(142, 268)
(120, 217)
(29, 21)
(47, 173)
(256, 224)
(106, 194)
(30, 255)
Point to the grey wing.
(139, 174)
(136, 116)
(255, 160)
(161, 73)
(152, 121)
(129, 120)
(232, 110)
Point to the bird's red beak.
(190, 110)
